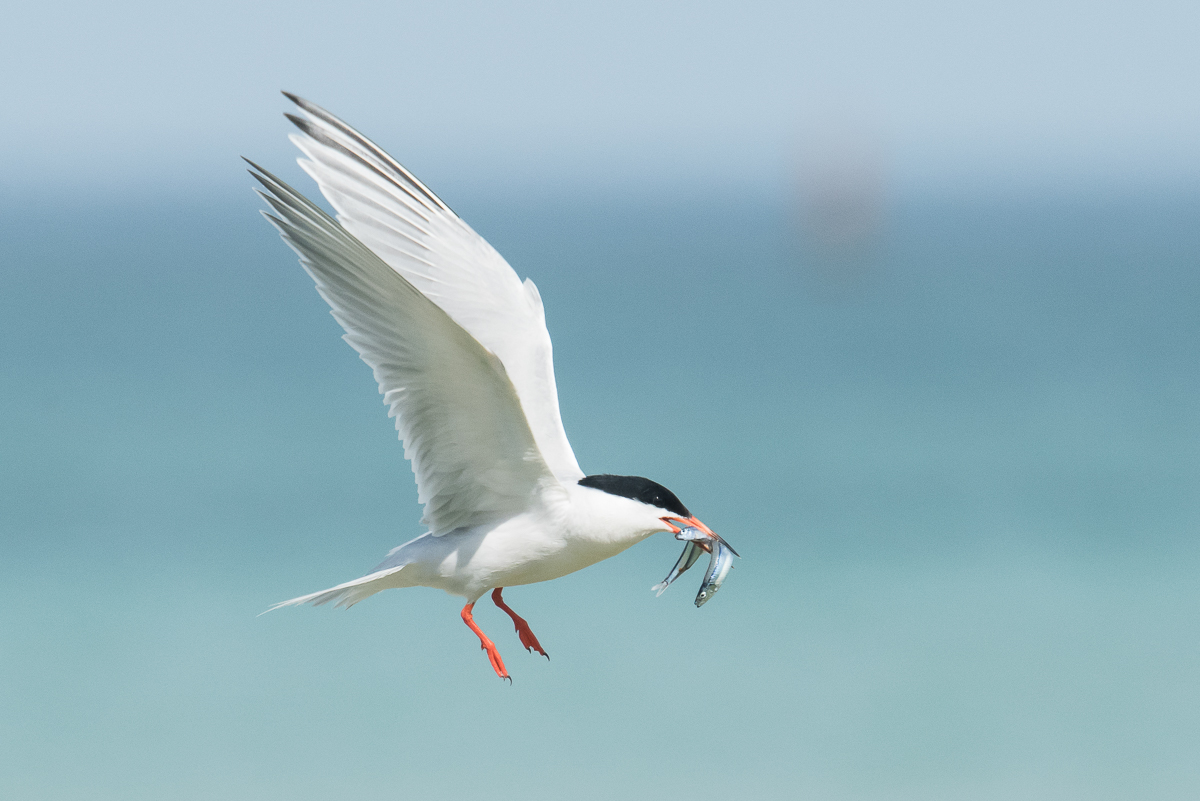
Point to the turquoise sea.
(961, 464)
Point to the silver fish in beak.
(691, 552)
(696, 540)
(719, 565)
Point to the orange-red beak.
(694, 522)
(685, 522)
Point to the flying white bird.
(459, 348)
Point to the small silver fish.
(719, 566)
(693, 534)
(696, 542)
(691, 552)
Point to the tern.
(459, 347)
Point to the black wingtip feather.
(307, 127)
(312, 130)
(265, 178)
(307, 105)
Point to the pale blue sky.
(1026, 95)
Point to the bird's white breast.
(566, 529)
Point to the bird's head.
(658, 506)
(663, 504)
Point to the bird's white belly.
(518, 551)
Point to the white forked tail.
(348, 594)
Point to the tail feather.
(348, 594)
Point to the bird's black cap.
(639, 489)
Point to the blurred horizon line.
(684, 190)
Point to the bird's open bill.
(698, 537)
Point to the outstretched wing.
(457, 412)
(387, 209)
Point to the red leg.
(485, 643)
(527, 639)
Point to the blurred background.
(900, 298)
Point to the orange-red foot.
(523, 631)
(486, 644)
